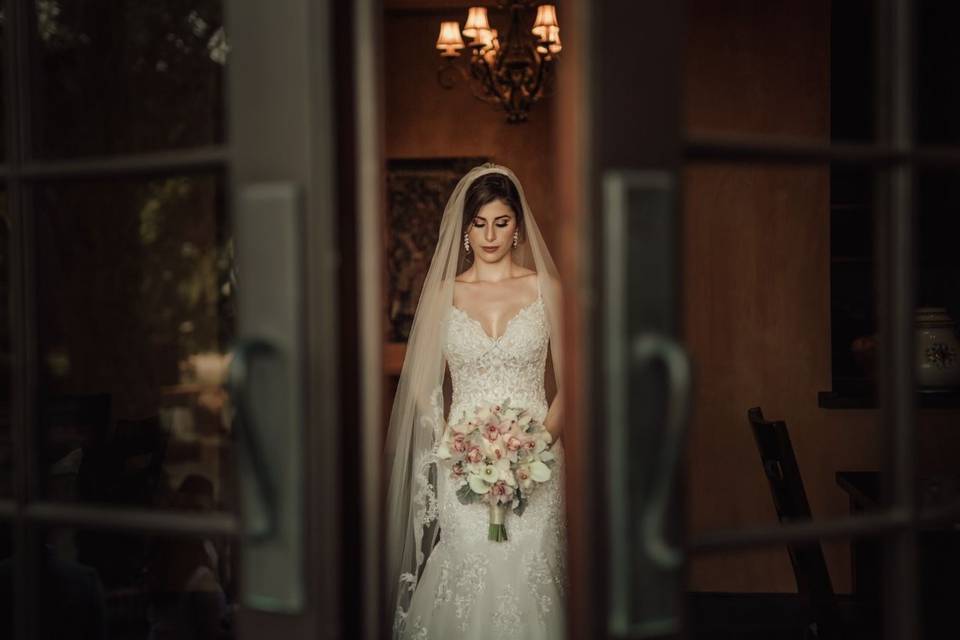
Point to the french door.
(171, 412)
(655, 162)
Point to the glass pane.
(938, 96)
(97, 584)
(744, 74)
(127, 76)
(779, 315)
(134, 313)
(938, 347)
(810, 590)
(6, 352)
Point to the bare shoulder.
(528, 279)
(553, 285)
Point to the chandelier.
(512, 75)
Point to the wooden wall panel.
(757, 284)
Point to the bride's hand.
(553, 437)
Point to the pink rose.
(514, 443)
(474, 454)
(460, 443)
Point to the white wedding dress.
(472, 587)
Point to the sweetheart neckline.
(506, 327)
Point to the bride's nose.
(490, 233)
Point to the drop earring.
(466, 242)
(516, 236)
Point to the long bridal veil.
(417, 420)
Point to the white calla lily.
(539, 471)
(490, 473)
(478, 484)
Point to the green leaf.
(521, 505)
(466, 495)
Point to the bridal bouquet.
(499, 457)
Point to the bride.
(489, 312)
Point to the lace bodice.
(486, 370)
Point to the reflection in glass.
(126, 76)
(95, 584)
(134, 311)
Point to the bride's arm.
(554, 419)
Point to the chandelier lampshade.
(476, 22)
(449, 41)
(546, 22)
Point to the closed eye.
(480, 223)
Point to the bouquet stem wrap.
(498, 530)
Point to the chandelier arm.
(490, 83)
(445, 69)
(538, 81)
(479, 87)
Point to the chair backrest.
(790, 501)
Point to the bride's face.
(491, 233)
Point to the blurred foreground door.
(170, 398)
(620, 166)
(619, 95)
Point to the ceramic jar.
(938, 350)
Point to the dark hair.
(488, 188)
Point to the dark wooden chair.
(790, 501)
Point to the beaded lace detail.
(472, 587)
(486, 370)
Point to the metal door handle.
(247, 432)
(648, 348)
